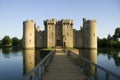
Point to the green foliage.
(116, 33)
(0, 43)
(15, 41)
(6, 41)
(111, 41)
(21, 42)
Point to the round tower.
(90, 34)
(29, 34)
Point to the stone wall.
(60, 33)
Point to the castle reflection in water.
(91, 55)
(33, 57)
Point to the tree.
(15, 41)
(0, 43)
(109, 37)
(6, 41)
(116, 34)
(21, 41)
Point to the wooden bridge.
(57, 66)
(61, 68)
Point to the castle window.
(52, 33)
(93, 34)
(68, 34)
(30, 40)
(30, 62)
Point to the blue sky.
(14, 12)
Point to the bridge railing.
(81, 62)
(38, 72)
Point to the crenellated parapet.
(28, 22)
(67, 22)
(38, 28)
(50, 22)
(88, 21)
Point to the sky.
(14, 12)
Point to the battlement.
(75, 30)
(38, 28)
(88, 21)
(67, 21)
(50, 21)
(92, 21)
(29, 21)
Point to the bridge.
(61, 68)
(61, 64)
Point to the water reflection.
(91, 55)
(8, 52)
(111, 54)
(116, 57)
(31, 58)
(11, 61)
(110, 60)
(28, 60)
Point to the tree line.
(9, 42)
(111, 41)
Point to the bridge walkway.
(61, 68)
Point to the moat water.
(15, 63)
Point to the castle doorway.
(59, 43)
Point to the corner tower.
(90, 34)
(29, 34)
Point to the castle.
(59, 33)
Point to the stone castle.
(59, 33)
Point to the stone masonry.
(60, 33)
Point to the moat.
(13, 64)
